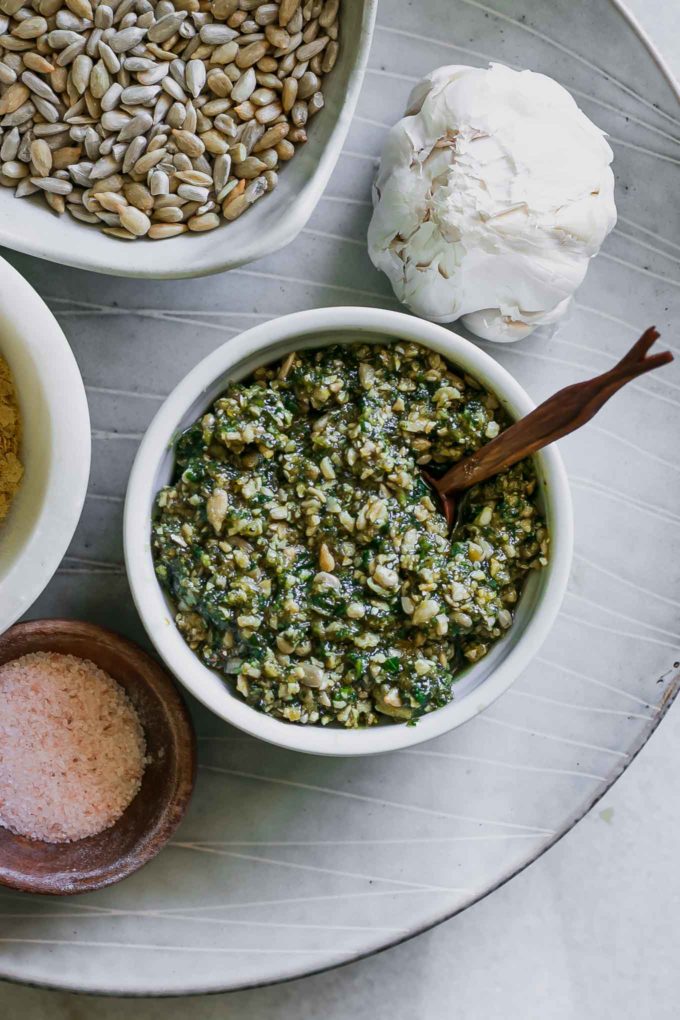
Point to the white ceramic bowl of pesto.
(55, 446)
(482, 683)
(27, 225)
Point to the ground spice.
(11, 470)
(72, 749)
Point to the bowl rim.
(150, 601)
(120, 259)
(179, 723)
(55, 367)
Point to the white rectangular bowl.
(27, 225)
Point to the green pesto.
(304, 555)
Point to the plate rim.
(669, 697)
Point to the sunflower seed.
(25, 187)
(154, 74)
(109, 57)
(127, 39)
(160, 231)
(10, 145)
(7, 75)
(309, 50)
(193, 193)
(159, 183)
(19, 116)
(82, 214)
(67, 19)
(59, 39)
(80, 72)
(221, 171)
(53, 184)
(41, 157)
(244, 87)
(115, 120)
(139, 95)
(195, 77)
(148, 161)
(134, 220)
(103, 17)
(39, 87)
(92, 143)
(103, 167)
(202, 105)
(135, 151)
(80, 174)
(166, 27)
(14, 170)
(287, 8)
(174, 90)
(139, 125)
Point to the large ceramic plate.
(288, 863)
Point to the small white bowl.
(55, 445)
(27, 224)
(481, 683)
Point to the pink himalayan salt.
(72, 750)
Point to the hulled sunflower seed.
(139, 95)
(41, 157)
(54, 184)
(68, 55)
(166, 27)
(193, 193)
(104, 167)
(135, 151)
(10, 144)
(181, 109)
(134, 220)
(7, 75)
(159, 231)
(154, 74)
(14, 170)
(25, 187)
(39, 86)
(109, 57)
(287, 8)
(19, 116)
(139, 125)
(244, 87)
(221, 171)
(207, 221)
(195, 76)
(127, 39)
(159, 183)
(100, 80)
(217, 34)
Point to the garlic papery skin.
(494, 192)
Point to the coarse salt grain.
(72, 749)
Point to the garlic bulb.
(494, 192)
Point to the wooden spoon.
(559, 415)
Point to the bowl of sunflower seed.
(209, 125)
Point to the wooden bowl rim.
(183, 749)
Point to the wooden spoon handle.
(559, 415)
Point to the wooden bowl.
(151, 818)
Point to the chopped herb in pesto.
(304, 554)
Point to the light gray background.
(589, 932)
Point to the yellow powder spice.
(11, 470)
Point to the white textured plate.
(288, 863)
